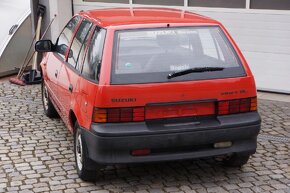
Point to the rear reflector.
(180, 110)
(237, 106)
(140, 152)
(223, 144)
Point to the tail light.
(117, 115)
(237, 106)
(137, 114)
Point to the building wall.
(261, 29)
(61, 10)
(264, 39)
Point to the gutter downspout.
(72, 7)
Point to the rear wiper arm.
(194, 70)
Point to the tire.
(86, 168)
(48, 107)
(236, 160)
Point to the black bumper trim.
(149, 128)
(113, 149)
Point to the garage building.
(261, 29)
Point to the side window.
(82, 51)
(78, 42)
(94, 55)
(66, 36)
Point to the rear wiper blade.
(194, 70)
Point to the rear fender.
(74, 115)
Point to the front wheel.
(86, 168)
(236, 160)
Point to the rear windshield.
(149, 55)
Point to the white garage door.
(261, 29)
(264, 39)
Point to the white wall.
(63, 11)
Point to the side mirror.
(44, 46)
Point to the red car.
(149, 84)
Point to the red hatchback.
(144, 85)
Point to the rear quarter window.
(149, 55)
(78, 43)
(93, 57)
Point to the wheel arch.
(72, 121)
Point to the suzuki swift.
(149, 84)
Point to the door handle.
(56, 73)
(70, 88)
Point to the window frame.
(72, 40)
(64, 59)
(163, 3)
(268, 5)
(216, 4)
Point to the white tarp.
(12, 12)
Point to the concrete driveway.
(36, 155)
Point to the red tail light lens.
(116, 115)
(234, 106)
(245, 105)
(237, 106)
(223, 107)
(138, 114)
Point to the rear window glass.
(149, 55)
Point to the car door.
(90, 73)
(57, 58)
(69, 75)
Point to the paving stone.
(36, 155)
(102, 191)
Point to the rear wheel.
(48, 107)
(86, 168)
(236, 160)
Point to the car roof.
(131, 16)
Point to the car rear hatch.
(167, 75)
(175, 102)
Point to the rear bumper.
(112, 143)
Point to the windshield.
(149, 55)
